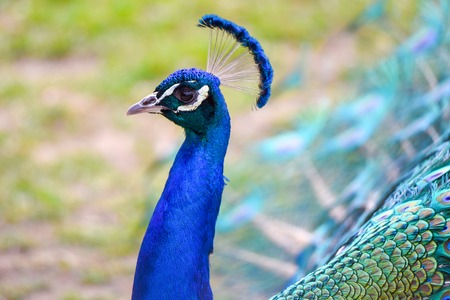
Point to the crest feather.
(237, 58)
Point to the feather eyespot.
(445, 295)
(185, 94)
(444, 197)
(446, 247)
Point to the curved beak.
(147, 105)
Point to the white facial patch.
(168, 92)
(202, 95)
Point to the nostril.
(148, 101)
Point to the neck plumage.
(173, 262)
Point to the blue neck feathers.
(173, 262)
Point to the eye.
(185, 94)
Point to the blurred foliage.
(74, 173)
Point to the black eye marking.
(185, 94)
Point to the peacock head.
(188, 97)
(191, 97)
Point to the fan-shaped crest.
(237, 58)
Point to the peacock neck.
(173, 262)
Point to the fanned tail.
(325, 178)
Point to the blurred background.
(79, 180)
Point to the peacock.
(383, 231)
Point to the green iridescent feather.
(402, 252)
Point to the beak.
(147, 105)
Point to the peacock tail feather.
(401, 252)
(321, 181)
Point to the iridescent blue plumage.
(193, 74)
(173, 262)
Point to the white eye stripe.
(202, 95)
(168, 92)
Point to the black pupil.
(186, 94)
